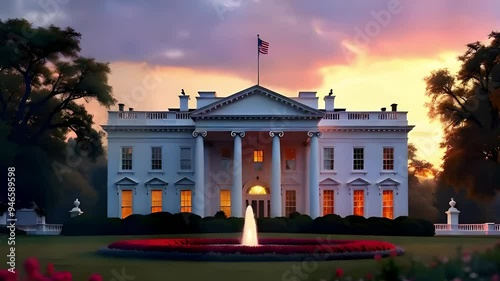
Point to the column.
(276, 207)
(199, 171)
(314, 174)
(237, 187)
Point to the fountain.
(249, 237)
(249, 247)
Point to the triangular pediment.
(358, 182)
(258, 102)
(289, 181)
(156, 181)
(184, 181)
(126, 181)
(388, 182)
(329, 181)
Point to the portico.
(270, 192)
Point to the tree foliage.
(467, 104)
(44, 86)
(421, 187)
(44, 83)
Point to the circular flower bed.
(204, 249)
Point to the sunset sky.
(371, 53)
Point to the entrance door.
(260, 208)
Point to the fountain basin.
(211, 249)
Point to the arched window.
(258, 190)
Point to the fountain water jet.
(249, 229)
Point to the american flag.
(263, 47)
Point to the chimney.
(383, 109)
(394, 107)
(121, 106)
(329, 103)
(184, 99)
(130, 109)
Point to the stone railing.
(365, 118)
(455, 228)
(41, 229)
(467, 229)
(149, 118)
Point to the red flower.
(32, 266)
(62, 276)
(6, 275)
(377, 257)
(339, 272)
(394, 253)
(369, 276)
(50, 269)
(95, 277)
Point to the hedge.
(184, 223)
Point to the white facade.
(258, 147)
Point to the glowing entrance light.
(257, 190)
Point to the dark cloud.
(220, 35)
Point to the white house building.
(260, 148)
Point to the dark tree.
(44, 87)
(468, 106)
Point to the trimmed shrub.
(166, 223)
(278, 225)
(331, 224)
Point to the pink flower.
(95, 277)
(377, 257)
(50, 269)
(369, 276)
(339, 272)
(466, 257)
(495, 277)
(457, 279)
(62, 276)
(32, 266)
(6, 275)
(394, 253)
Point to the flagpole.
(258, 60)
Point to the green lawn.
(77, 254)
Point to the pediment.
(126, 181)
(289, 181)
(257, 102)
(359, 182)
(156, 181)
(388, 182)
(184, 181)
(329, 181)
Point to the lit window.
(225, 202)
(358, 158)
(328, 202)
(257, 190)
(388, 204)
(186, 201)
(185, 158)
(126, 203)
(359, 203)
(290, 202)
(388, 161)
(156, 201)
(258, 156)
(290, 159)
(126, 158)
(156, 158)
(328, 158)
